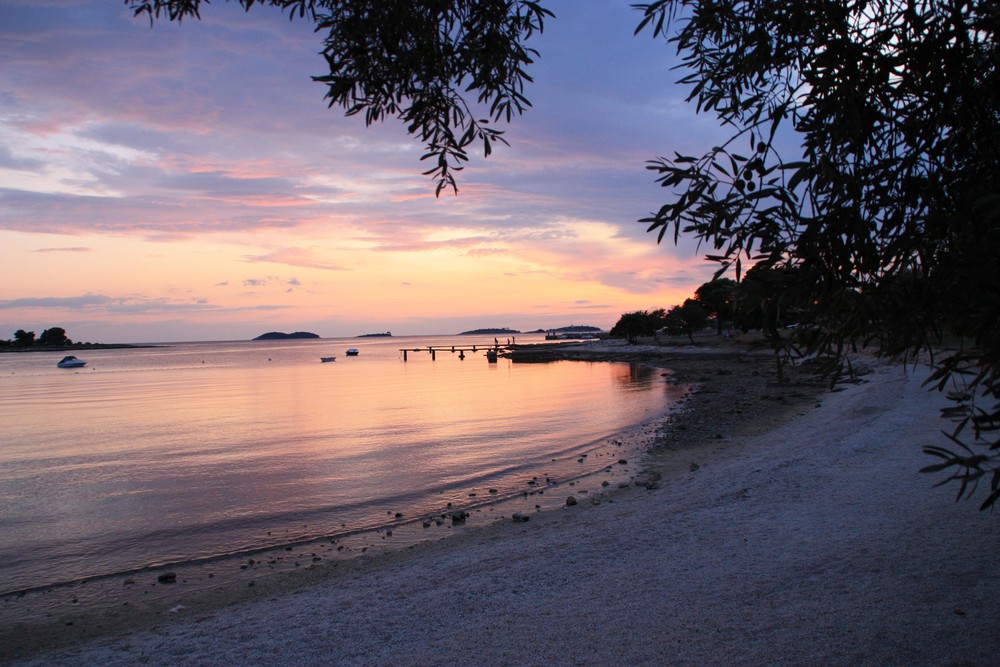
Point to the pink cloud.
(75, 249)
(294, 257)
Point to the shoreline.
(79, 347)
(42, 609)
(787, 526)
(67, 614)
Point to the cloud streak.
(74, 249)
(84, 301)
(224, 154)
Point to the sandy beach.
(771, 525)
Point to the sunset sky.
(188, 182)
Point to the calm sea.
(196, 451)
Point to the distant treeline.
(515, 331)
(52, 339)
(23, 340)
(574, 327)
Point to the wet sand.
(780, 525)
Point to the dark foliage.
(885, 218)
(55, 337)
(718, 298)
(685, 319)
(24, 338)
(447, 69)
(639, 323)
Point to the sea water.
(186, 452)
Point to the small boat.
(71, 362)
(352, 352)
(327, 359)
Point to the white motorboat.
(352, 352)
(71, 362)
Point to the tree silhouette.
(638, 323)
(447, 69)
(718, 298)
(686, 319)
(864, 157)
(56, 337)
(24, 338)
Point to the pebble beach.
(769, 524)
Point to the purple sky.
(189, 182)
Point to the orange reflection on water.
(148, 463)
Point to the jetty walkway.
(492, 351)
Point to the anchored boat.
(71, 362)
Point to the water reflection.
(189, 452)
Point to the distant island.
(492, 332)
(572, 331)
(51, 340)
(387, 334)
(573, 328)
(278, 335)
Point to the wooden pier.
(492, 351)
